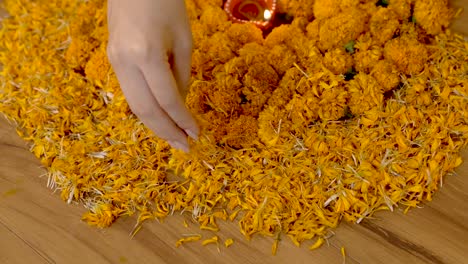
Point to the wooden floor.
(37, 227)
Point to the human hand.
(150, 47)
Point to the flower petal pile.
(353, 107)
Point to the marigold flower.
(241, 34)
(383, 25)
(433, 15)
(326, 8)
(386, 75)
(365, 60)
(214, 19)
(407, 54)
(342, 28)
(338, 61)
(365, 94)
(281, 58)
(401, 7)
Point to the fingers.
(144, 105)
(164, 87)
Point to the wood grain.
(37, 227)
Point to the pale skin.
(150, 46)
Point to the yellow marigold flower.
(197, 97)
(241, 131)
(365, 94)
(193, 11)
(338, 61)
(225, 101)
(365, 60)
(309, 56)
(333, 102)
(253, 53)
(259, 82)
(204, 4)
(313, 29)
(401, 7)
(281, 58)
(386, 75)
(198, 33)
(342, 28)
(383, 25)
(326, 8)
(261, 78)
(433, 15)
(297, 8)
(280, 35)
(303, 109)
(211, 51)
(287, 87)
(407, 54)
(270, 125)
(241, 34)
(214, 19)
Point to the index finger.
(161, 81)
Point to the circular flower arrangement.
(347, 108)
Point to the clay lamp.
(258, 12)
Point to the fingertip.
(180, 145)
(193, 134)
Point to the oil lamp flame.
(258, 12)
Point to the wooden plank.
(13, 250)
(461, 23)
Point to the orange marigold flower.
(204, 4)
(296, 8)
(253, 53)
(214, 19)
(242, 132)
(313, 29)
(227, 100)
(333, 102)
(365, 60)
(197, 97)
(401, 7)
(383, 25)
(338, 61)
(241, 34)
(287, 86)
(271, 124)
(303, 110)
(193, 11)
(326, 8)
(281, 58)
(365, 94)
(261, 78)
(407, 54)
(342, 28)
(433, 15)
(386, 75)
